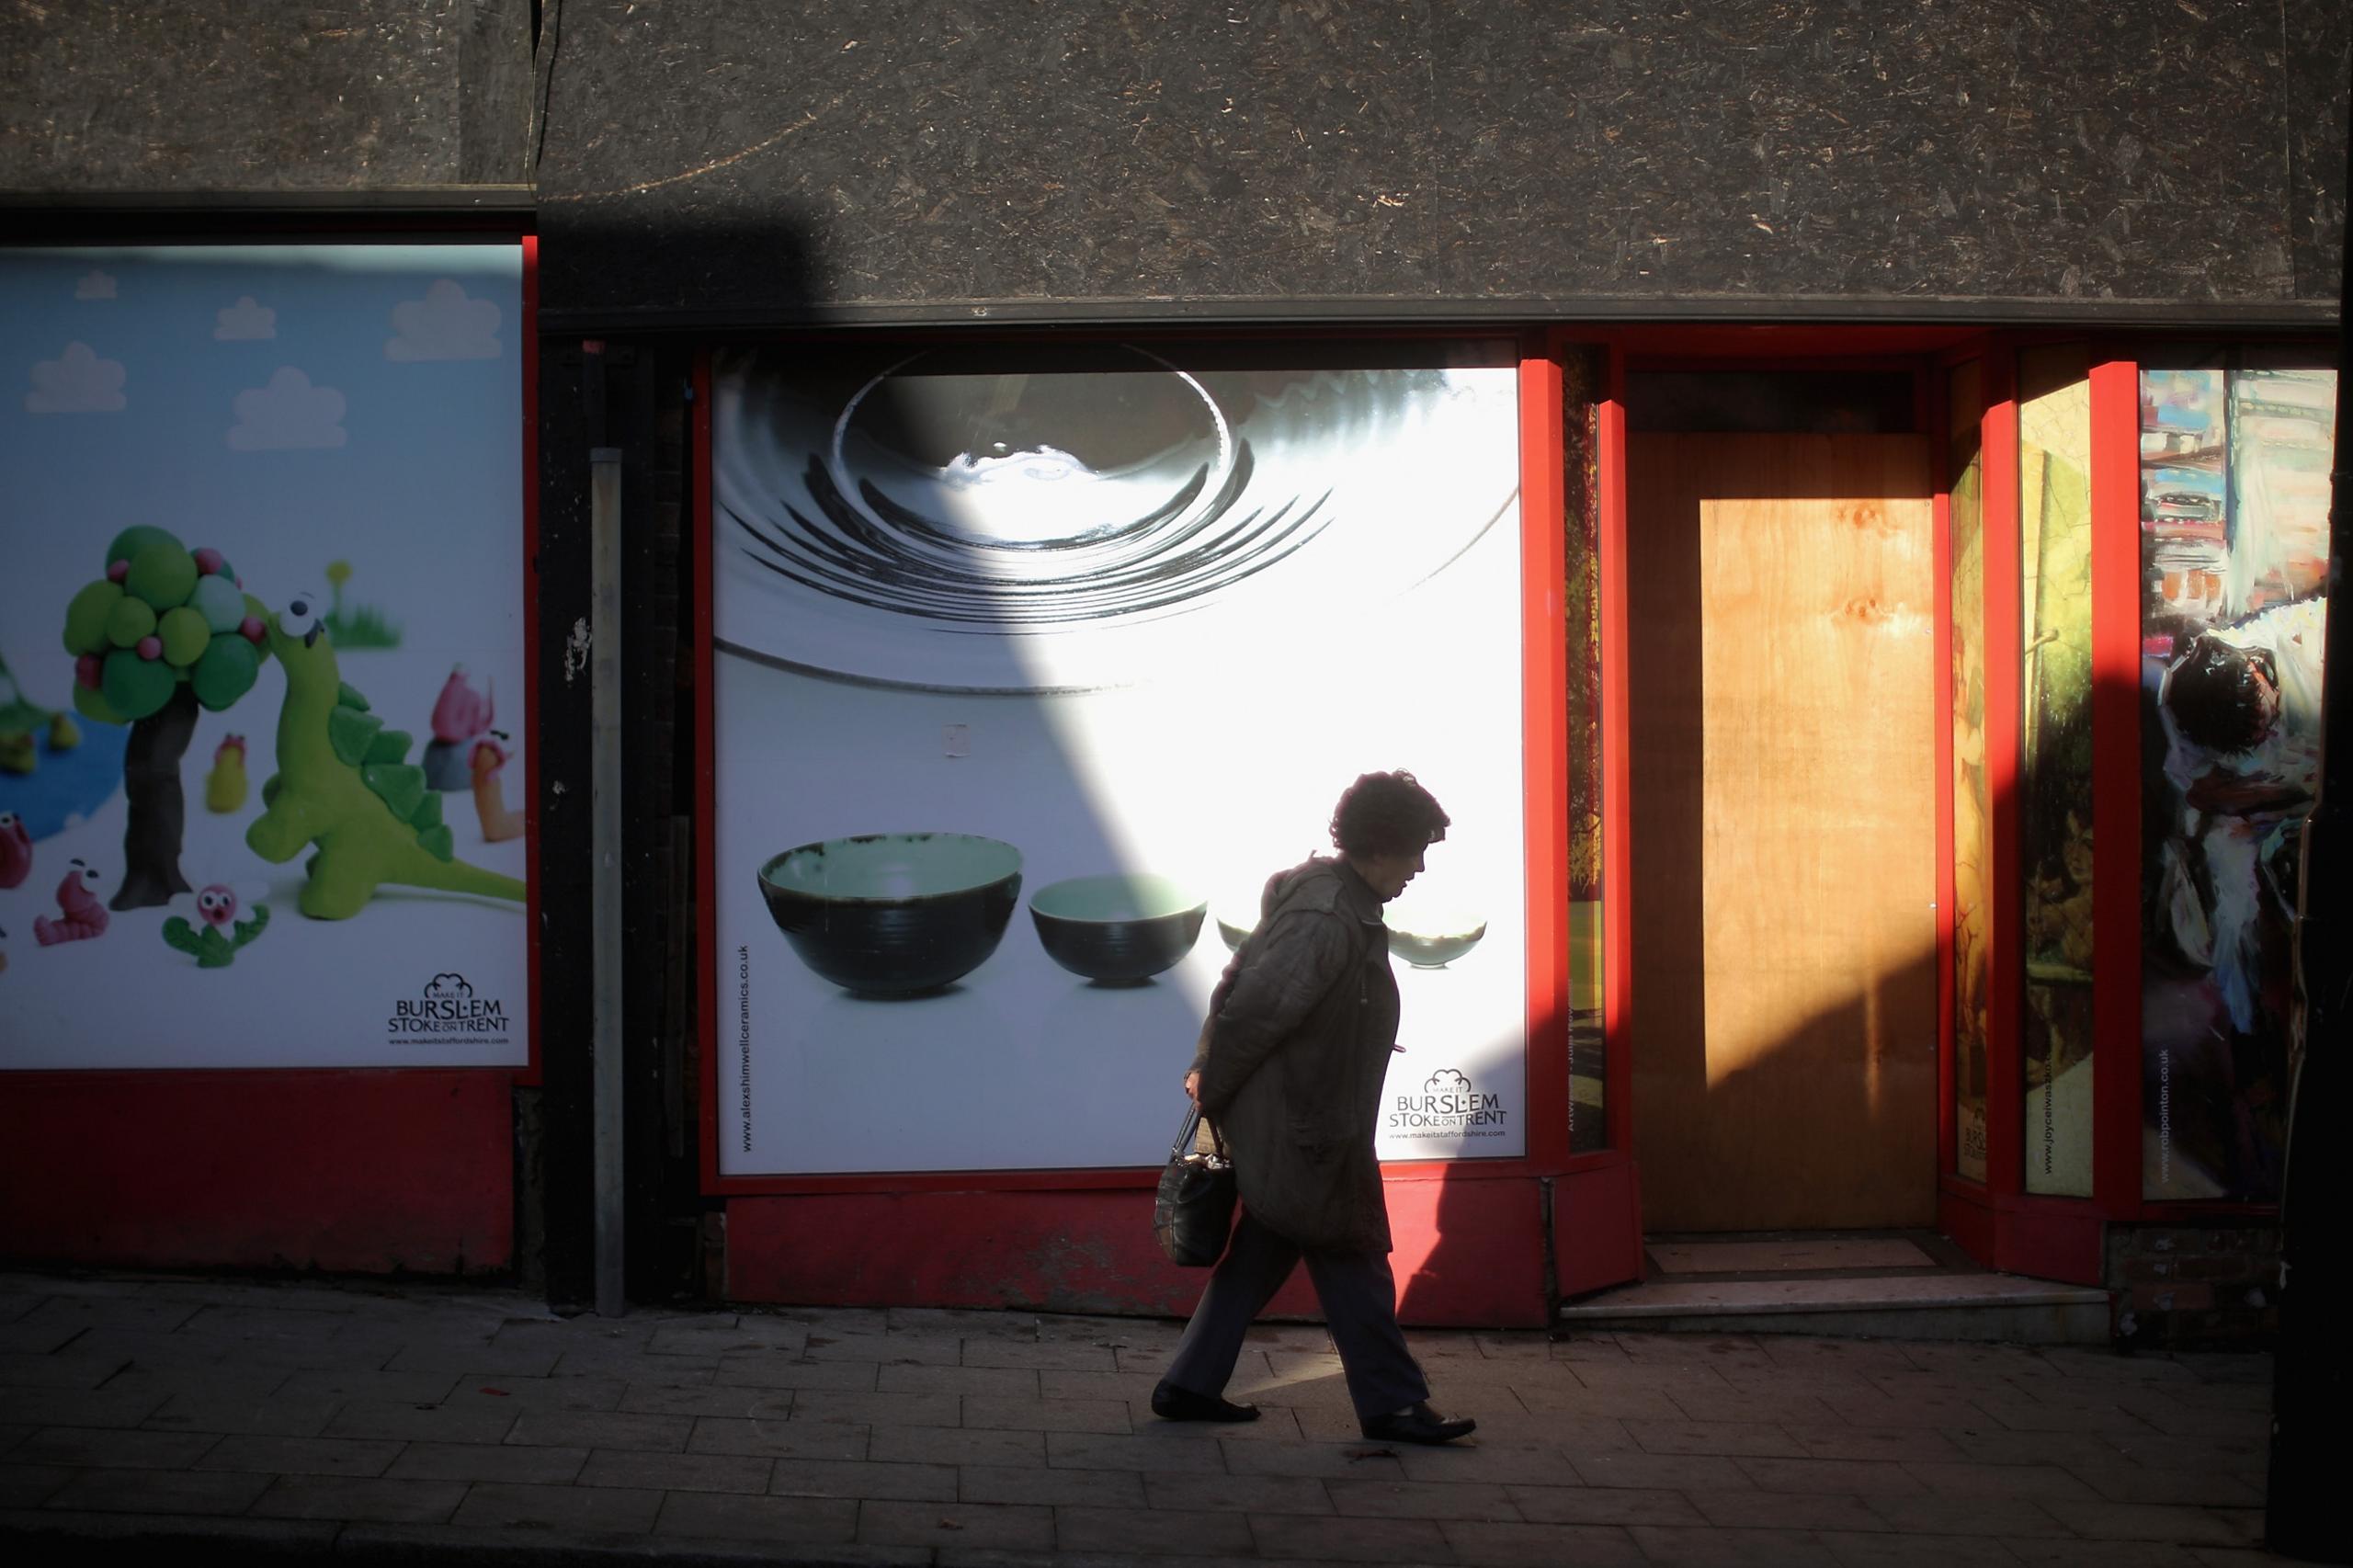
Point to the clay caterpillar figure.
(81, 916)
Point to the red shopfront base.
(372, 1172)
(1471, 1252)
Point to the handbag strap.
(1187, 1131)
(1188, 1135)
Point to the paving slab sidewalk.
(382, 1422)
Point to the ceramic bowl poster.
(1030, 667)
(262, 658)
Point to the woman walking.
(1289, 1070)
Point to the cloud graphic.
(76, 381)
(244, 321)
(444, 325)
(94, 285)
(1446, 1081)
(288, 414)
(446, 986)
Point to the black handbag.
(1193, 1214)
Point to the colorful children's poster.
(262, 658)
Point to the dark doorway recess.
(1814, 402)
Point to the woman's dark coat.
(1294, 1055)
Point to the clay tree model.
(166, 629)
(342, 784)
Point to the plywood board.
(1784, 831)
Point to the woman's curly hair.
(1384, 813)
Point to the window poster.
(262, 658)
(2235, 490)
(1030, 667)
(2056, 815)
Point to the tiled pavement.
(415, 1423)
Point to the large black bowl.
(1117, 929)
(895, 913)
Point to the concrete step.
(1947, 1304)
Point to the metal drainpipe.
(605, 841)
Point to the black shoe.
(1419, 1424)
(1173, 1403)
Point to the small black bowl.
(1435, 939)
(1120, 930)
(895, 913)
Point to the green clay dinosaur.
(342, 785)
(207, 945)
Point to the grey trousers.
(1360, 1298)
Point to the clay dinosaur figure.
(342, 785)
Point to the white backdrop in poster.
(291, 407)
(1214, 753)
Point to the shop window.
(2055, 764)
(1102, 629)
(2234, 491)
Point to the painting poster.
(2055, 815)
(2234, 489)
(1030, 667)
(262, 658)
(1972, 840)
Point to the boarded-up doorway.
(1783, 698)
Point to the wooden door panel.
(1784, 824)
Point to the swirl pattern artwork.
(965, 520)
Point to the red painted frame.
(2006, 991)
(1617, 999)
(1544, 739)
(347, 1169)
(1932, 353)
(1937, 420)
(1544, 790)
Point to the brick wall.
(2193, 1283)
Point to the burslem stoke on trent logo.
(448, 1009)
(1448, 1106)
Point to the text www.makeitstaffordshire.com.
(743, 1040)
